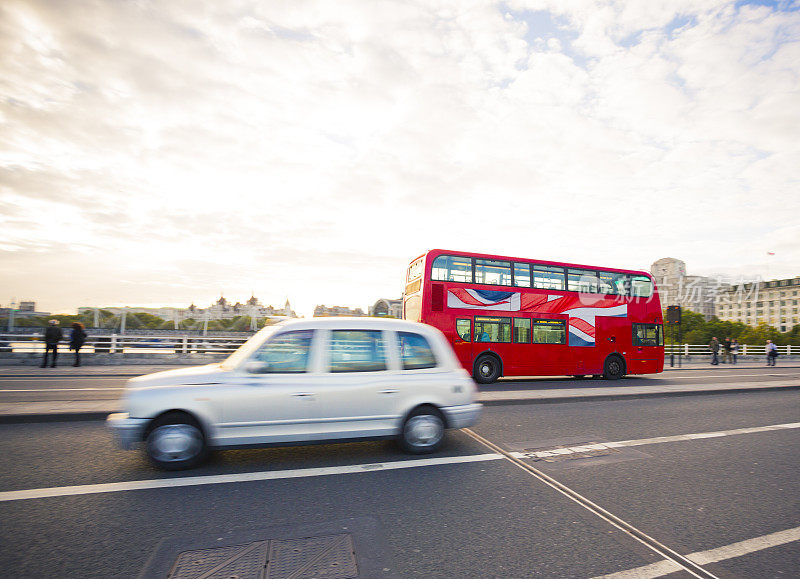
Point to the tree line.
(138, 321)
(695, 329)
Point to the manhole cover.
(331, 557)
(328, 557)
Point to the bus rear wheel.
(614, 368)
(487, 369)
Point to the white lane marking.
(711, 556)
(722, 376)
(656, 440)
(63, 378)
(237, 478)
(61, 389)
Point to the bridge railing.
(224, 345)
(744, 350)
(124, 344)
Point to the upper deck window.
(548, 277)
(522, 275)
(415, 269)
(614, 283)
(452, 268)
(582, 280)
(492, 272)
(641, 286)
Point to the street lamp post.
(11, 310)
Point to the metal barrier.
(744, 350)
(224, 345)
(125, 344)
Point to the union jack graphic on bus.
(582, 314)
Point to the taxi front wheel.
(175, 442)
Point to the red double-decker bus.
(506, 316)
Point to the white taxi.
(303, 381)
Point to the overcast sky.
(164, 153)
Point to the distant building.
(22, 310)
(692, 292)
(219, 310)
(323, 311)
(387, 308)
(772, 302)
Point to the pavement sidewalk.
(131, 370)
(505, 391)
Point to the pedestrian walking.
(714, 347)
(726, 351)
(772, 353)
(734, 349)
(76, 340)
(52, 336)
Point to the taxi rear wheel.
(422, 431)
(175, 441)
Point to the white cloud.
(311, 149)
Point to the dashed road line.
(711, 556)
(656, 440)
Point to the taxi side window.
(357, 351)
(286, 353)
(415, 351)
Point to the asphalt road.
(471, 513)
(84, 388)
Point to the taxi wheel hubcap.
(424, 430)
(175, 442)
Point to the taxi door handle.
(389, 391)
(303, 394)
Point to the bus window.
(522, 330)
(648, 335)
(548, 277)
(464, 329)
(613, 283)
(492, 329)
(415, 270)
(641, 286)
(522, 275)
(549, 331)
(452, 268)
(492, 272)
(412, 308)
(582, 280)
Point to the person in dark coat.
(714, 347)
(76, 339)
(52, 336)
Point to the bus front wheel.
(487, 369)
